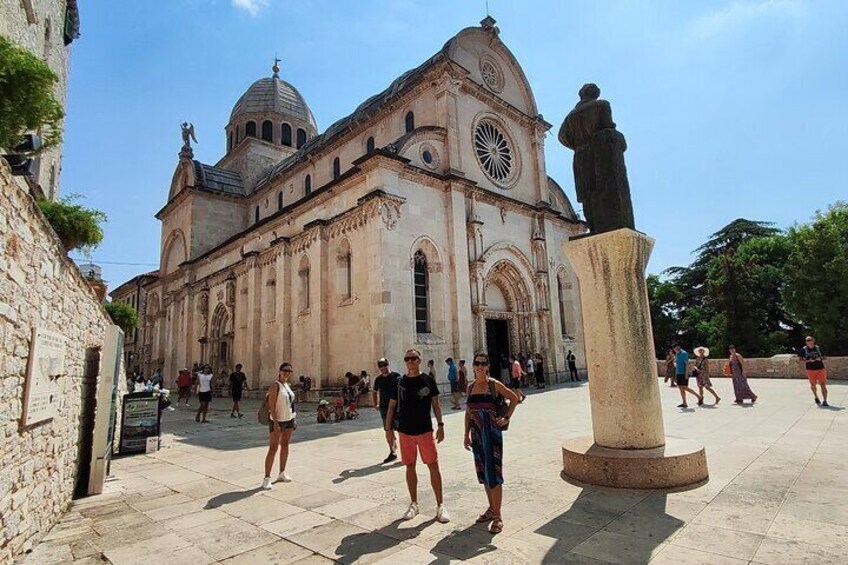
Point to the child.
(323, 412)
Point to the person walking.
(515, 378)
(670, 374)
(463, 377)
(572, 366)
(385, 386)
(453, 381)
(238, 383)
(736, 364)
(184, 387)
(701, 370)
(811, 359)
(414, 398)
(431, 369)
(204, 393)
(484, 436)
(529, 371)
(283, 416)
(681, 359)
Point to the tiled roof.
(214, 179)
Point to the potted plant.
(123, 315)
(76, 225)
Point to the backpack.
(264, 415)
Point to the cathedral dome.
(273, 95)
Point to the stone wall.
(777, 367)
(40, 286)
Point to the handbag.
(501, 408)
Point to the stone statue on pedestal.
(600, 176)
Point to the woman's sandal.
(486, 516)
(496, 526)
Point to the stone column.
(629, 448)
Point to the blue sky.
(730, 108)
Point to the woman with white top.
(204, 393)
(282, 424)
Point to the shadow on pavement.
(473, 541)
(364, 471)
(353, 548)
(229, 497)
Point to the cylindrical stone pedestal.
(623, 387)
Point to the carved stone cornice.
(302, 241)
(447, 83)
(270, 255)
(244, 266)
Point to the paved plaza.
(777, 493)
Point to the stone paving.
(777, 493)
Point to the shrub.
(124, 315)
(76, 226)
(26, 97)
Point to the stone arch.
(184, 176)
(175, 251)
(507, 277)
(220, 338)
(506, 251)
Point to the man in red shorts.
(812, 358)
(411, 401)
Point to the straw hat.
(706, 351)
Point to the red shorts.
(411, 445)
(817, 376)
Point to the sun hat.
(706, 350)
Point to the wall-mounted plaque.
(45, 366)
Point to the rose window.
(494, 152)
(492, 76)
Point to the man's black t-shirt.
(237, 381)
(572, 360)
(413, 395)
(812, 357)
(386, 386)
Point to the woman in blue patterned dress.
(484, 435)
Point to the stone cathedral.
(423, 219)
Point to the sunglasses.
(410, 359)
(481, 363)
(381, 365)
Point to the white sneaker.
(411, 512)
(266, 483)
(283, 478)
(442, 514)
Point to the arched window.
(409, 121)
(566, 305)
(337, 168)
(563, 326)
(280, 200)
(256, 215)
(267, 131)
(307, 185)
(301, 137)
(250, 129)
(303, 274)
(369, 145)
(285, 135)
(238, 134)
(230, 141)
(420, 283)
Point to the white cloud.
(739, 14)
(252, 7)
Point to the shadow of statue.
(364, 472)
(610, 525)
(230, 497)
(354, 547)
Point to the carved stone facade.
(387, 231)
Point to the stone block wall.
(39, 285)
(777, 367)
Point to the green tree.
(76, 226)
(663, 297)
(123, 315)
(816, 290)
(26, 97)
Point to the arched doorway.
(508, 314)
(220, 340)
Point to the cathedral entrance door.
(497, 345)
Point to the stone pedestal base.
(678, 463)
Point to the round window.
(491, 73)
(494, 152)
(427, 157)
